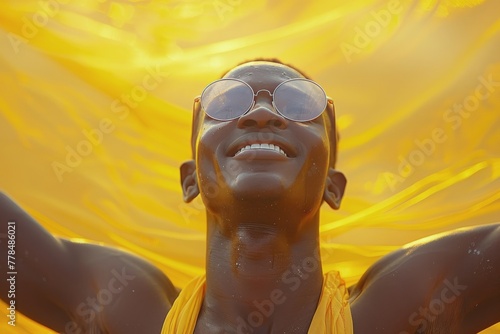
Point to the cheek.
(210, 158)
(317, 171)
(206, 164)
(317, 165)
(318, 147)
(210, 133)
(209, 140)
(208, 174)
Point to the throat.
(261, 253)
(258, 276)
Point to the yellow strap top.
(333, 315)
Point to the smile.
(265, 147)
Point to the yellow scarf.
(333, 314)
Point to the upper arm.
(387, 295)
(455, 275)
(127, 294)
(70, 286)
(470, 256)
(468, 285)
(43, 264)
(478, 270)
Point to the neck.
(258, 274)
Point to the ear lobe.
(189, 181)
(334, 188)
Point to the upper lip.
(250, 139)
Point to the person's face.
(295, 172)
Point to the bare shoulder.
(129, 295)
(74, 287)
(433, 282)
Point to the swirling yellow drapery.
(90, 145)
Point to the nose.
(263, 115)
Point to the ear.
(334, 188)
(189, 181)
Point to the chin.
(263, 186)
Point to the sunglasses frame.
(255, 94)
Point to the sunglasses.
(299, 99)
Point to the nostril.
(248, 123)
(277, 123)
(262, 116)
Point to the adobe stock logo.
(88, 311)
(224, 7)
(426, 315)
(371, 30)
(292, 278)
(454, 117)
(38, 20)
(120, 108)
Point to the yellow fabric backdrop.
(399, 71)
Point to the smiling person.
(264, 150)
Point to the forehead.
(263, 75)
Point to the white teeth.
(264, 146)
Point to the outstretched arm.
(478, 271)
(450, 282)
(77, 288)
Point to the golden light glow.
(96, 116)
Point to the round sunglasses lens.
(226, 99)
(300, 100)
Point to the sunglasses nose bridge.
(262, 114)
(263, 90)
(264, 101)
